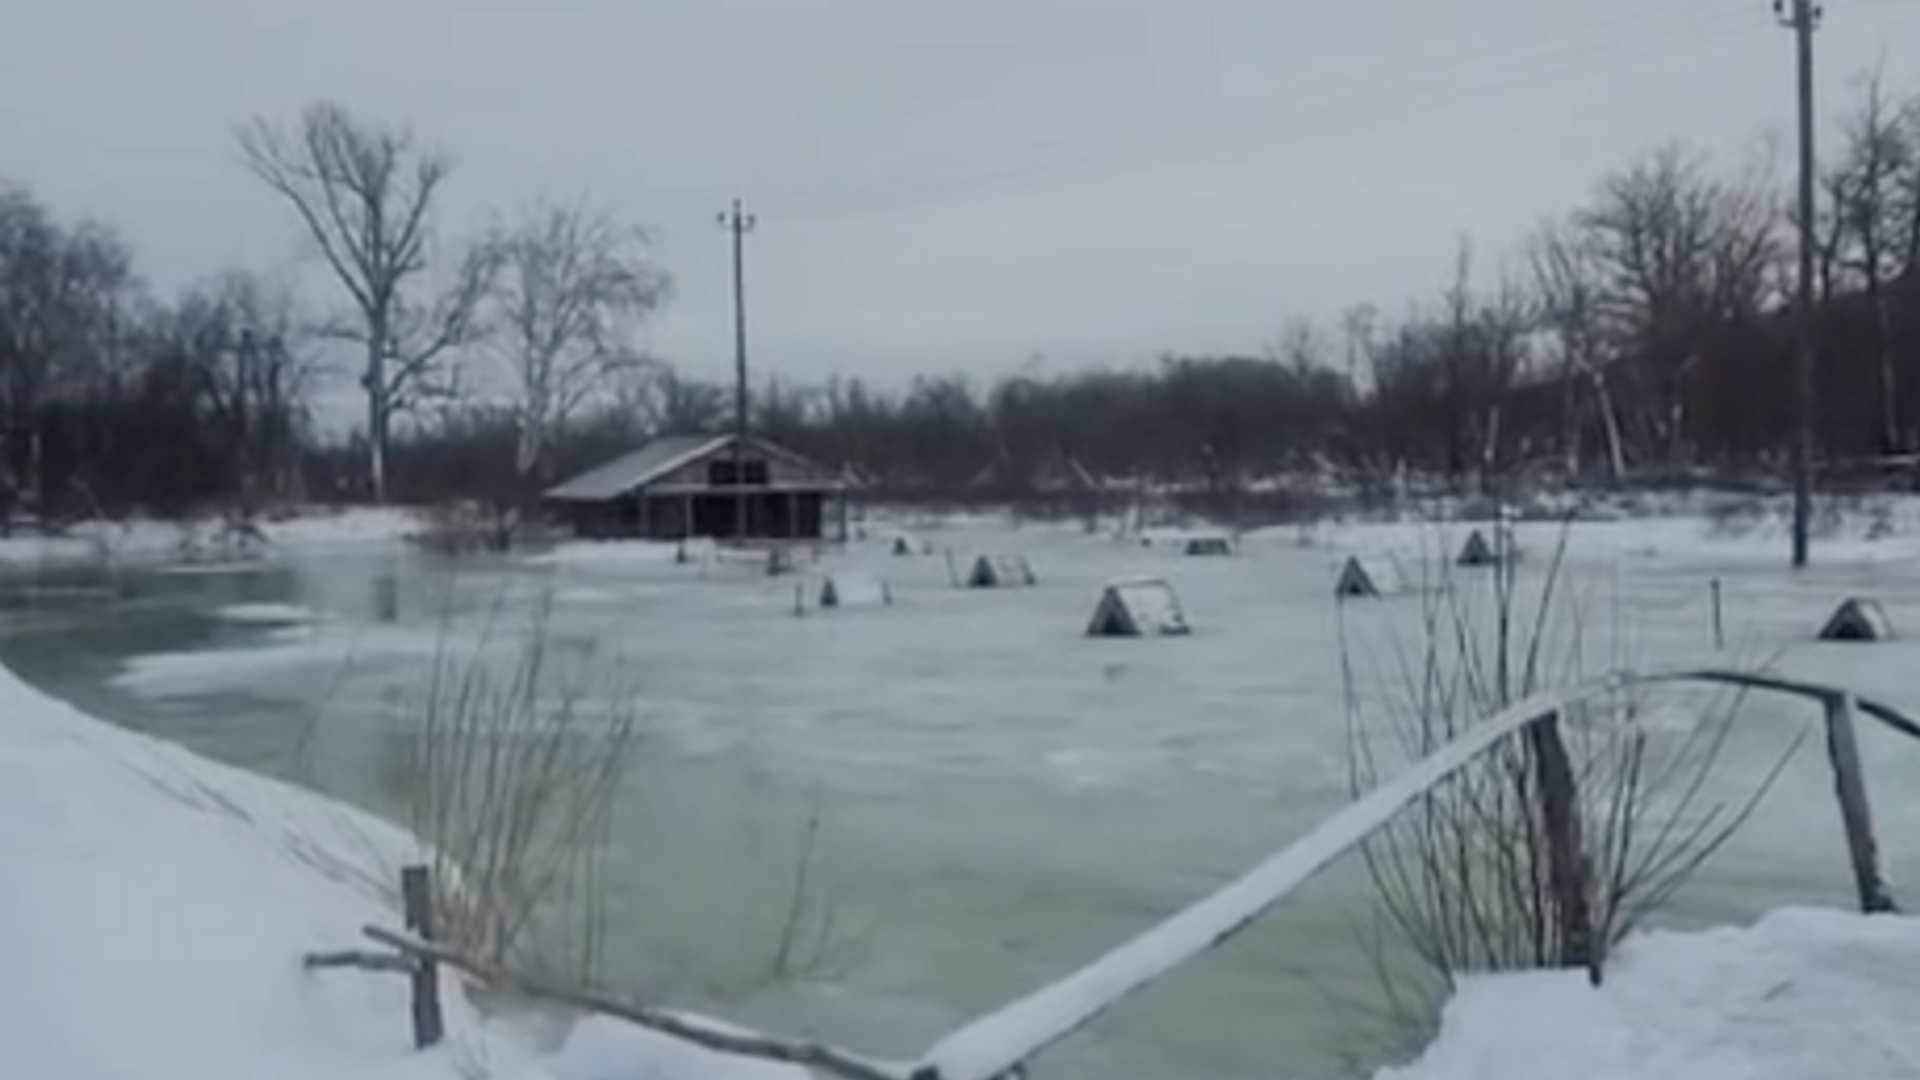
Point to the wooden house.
(715, 486)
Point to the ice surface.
(270, 614)
(992, 1045)
(1004, 798)
(290, 649)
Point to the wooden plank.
(815, 1056)
(1850, 788)
(1566, 857)
(354, 958)
(993, 1045)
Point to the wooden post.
(1850, 788)
(1719, 624)
(1566, 859)
(416, 897)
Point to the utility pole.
(1803, 17)
(738, 223)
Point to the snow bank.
(615, 554)
(1713, 526)
(354, 527)
(210, 542)
(155, 906)
(1800, 995)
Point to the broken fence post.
(1850, 788)
(416, 896)
(1566, 861)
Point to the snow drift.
(155, 907)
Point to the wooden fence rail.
(1000, 1045)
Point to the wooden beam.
(815, 1056)
(1850, 788)
(354, 958)
(1566, 859)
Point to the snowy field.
(1002, 797)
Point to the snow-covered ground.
(1800, 995)
(155, 907)
(208, 543)
(1029, 797)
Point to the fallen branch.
(810, 1055)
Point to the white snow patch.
(209, 545)
(288, 648)
(352, 528)
(1801, 995)
(267, 614)
(156, 907)
(616, 554)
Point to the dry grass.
(1462, 877)
(514, 768)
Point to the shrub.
(1461, 878)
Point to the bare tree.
(1566, 282)
(1868, 193)
(574, 289)
(64, 297)
(365, 196)
(1678, 252)
(243, 332)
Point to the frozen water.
(269, 614)
(1003, 798)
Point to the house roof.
(653, 461)
(628, 471)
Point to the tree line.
(1643, 333)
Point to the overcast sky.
(939, 186)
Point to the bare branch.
(364, 195)
(574, 294)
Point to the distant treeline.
(1646, 332)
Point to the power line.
(1410, 83)
(1803, 17)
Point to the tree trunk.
(1883, 346)
(1610, 423)
(377, 408)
